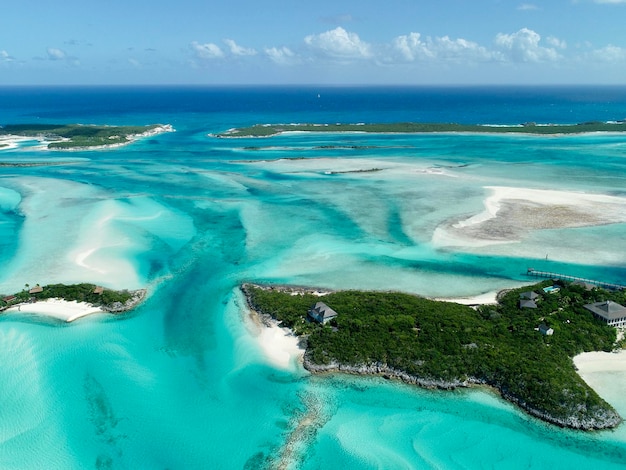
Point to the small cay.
(524, 353)
(82, 137)
(61, 300)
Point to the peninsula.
(70, 302)
(77, 136)
(269, 130)
(523, 350)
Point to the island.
(70, 302)
(268, 130)
(77, 136)
(522, 346)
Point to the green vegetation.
(73, 136)
(497, 345)
(78, 292)
(262, 130)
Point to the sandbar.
(510, 213)
(8, 142)
(57, 308)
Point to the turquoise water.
(182, 381)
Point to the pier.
(566, 277)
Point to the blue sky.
(322, 42)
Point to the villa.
(527, 299)
(321, 313)
(531, 295)
(611, 312)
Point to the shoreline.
(69, 311)
(13, 141)
(60, 309)
(608, 419)
(604, 372)
(526, 129)
(280, 345)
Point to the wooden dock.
(566, 277)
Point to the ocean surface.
(182, 382)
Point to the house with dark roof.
(530, 295)
(527, 304)
(611, 312)
(585, 285)
(545, 330)
(321, 313)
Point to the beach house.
(321, 313)
(611, 312)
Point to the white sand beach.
(510, 213)
(486, 298)
(606, 374)
(57, 308)
(280, 346)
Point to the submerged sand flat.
(511, 213)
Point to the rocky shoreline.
(137, 296)
(602, 419)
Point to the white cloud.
(207, 51)
(527, 7)
(615, 2)
(610, 53)
(5, 56)
(523, 46)
(55, 54)
(411, 48)
(556, 42)
(280, 55)
(339, 43)
(236, 49)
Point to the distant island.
(268, 130)
(79, 136)
(69, 302)
(523, 348)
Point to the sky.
(338, 42)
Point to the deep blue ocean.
(185, 381)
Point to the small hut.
(545, 330)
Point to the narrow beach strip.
(57, 308)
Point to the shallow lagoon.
(182, 381)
